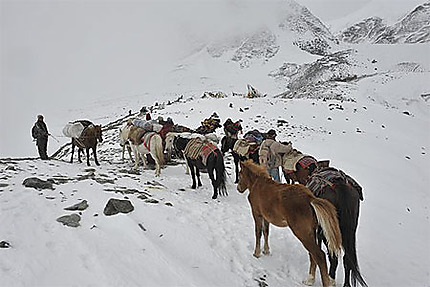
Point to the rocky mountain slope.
(413, 28)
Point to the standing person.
(40, 134)
(270, 154)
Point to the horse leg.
(347, 270)
(213, 181)
(129, 152)
(193, 174)
(136, 156)
(157, 163)
(73, 151)
(306, 234)
(79, 154)
(266, 249)
(258, 223)
(88, 155)
(312, 269)
(199, 183)
(236, 166)
(95, 155)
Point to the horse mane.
(256, 169)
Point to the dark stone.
(37, 183)
(70, 220)
(4, 244)
(79, 206)
(115, 206)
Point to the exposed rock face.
(367, 30)
(37, 183)
(413, 28)
(115, 206)
(294, 22)
(70, 220)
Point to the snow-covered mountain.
(413, 28)
(291, 21)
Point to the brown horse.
(88, 139)
(290, 205)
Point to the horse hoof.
(266, 252)
(193, 187)
(256, 255)
(309, 281)
(214, 196)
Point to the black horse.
(345, 194)
(214, 162)
(227, 143)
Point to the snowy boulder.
(37, 183)
(70, 220)
(115, 206)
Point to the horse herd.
(322, 208)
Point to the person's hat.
(271, 132)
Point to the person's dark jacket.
(39, 131)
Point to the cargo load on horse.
(254, 136)
(73, 129)
(209, 125)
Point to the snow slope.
(187, 239)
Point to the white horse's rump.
(153, 145)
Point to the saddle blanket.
(198, 148)
(244, 147)
(290, 160)
(329, 176)
(73, 130)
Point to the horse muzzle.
(241, 189)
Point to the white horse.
(152, 144)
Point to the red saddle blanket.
(198, 148)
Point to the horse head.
(180, 143)
(98, 133)
(224, 146)
(243, 183)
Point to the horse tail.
(221, 174)
(350, 208)
(159, 152)
(327, 219)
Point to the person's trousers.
(274, 173)
(42, 146)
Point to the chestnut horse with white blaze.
(294, 206)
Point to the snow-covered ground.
(177, 236)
